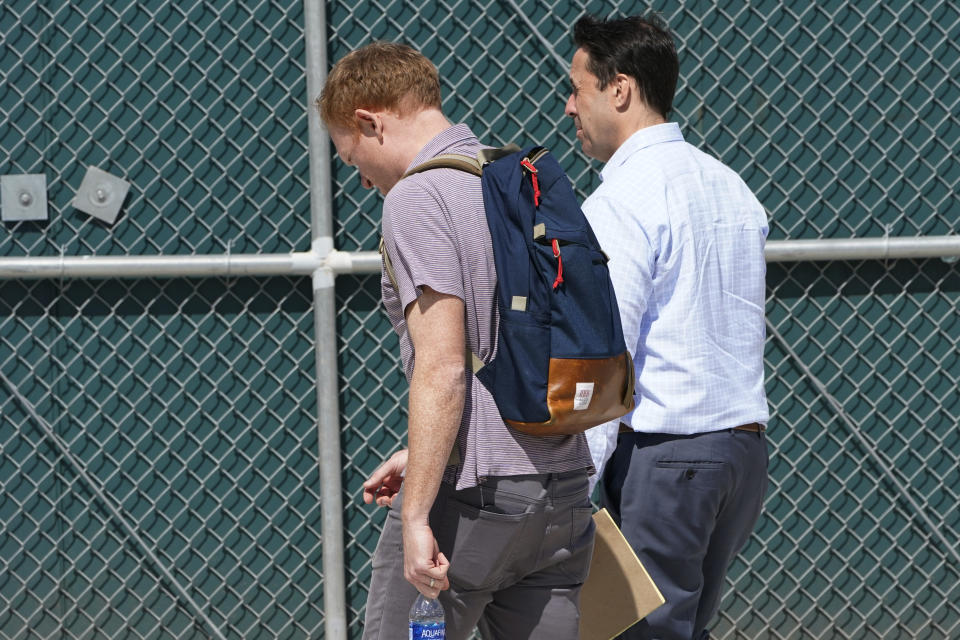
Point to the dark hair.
(640, 47)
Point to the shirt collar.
(458, 135)
(646, 137)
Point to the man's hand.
(424, 566)
(382, 486)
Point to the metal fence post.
(331, 467)
(324, 309)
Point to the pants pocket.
(577, 565)
(479, 544)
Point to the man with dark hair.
(687, 469)
(510, 511)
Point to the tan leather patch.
(612, 394)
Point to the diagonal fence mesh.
(157, 438)
(841, 116)
(187, 408)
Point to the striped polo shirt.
(435, 233)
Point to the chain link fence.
(842, 117)
(158, 444)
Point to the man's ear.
(622, 90)
(371, 124)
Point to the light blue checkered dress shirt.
(685, 237)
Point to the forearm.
(436, 407)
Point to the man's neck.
(418, 129)
(407, 135)
(638, 121)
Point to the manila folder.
(618, 592)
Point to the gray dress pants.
(687, 505)
(519, 550)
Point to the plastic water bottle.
(426, 619)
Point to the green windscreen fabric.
(158, 448)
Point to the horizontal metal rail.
(361, 262)
(885, 248)
(188, 266)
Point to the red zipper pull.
(556, 254)
(526, 164)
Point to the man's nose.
(570, 109)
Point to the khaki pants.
(519, 550)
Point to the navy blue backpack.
(561, 365)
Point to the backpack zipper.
(536, 155)
(528, 164)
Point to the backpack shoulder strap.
(465, 163)
(473, 360)
(449, 161)
(486, 156)
(387, 264)
(461, 163)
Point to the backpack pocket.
(517, 377)
(585, 322)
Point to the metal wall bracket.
(23, 197)
(101, 195)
